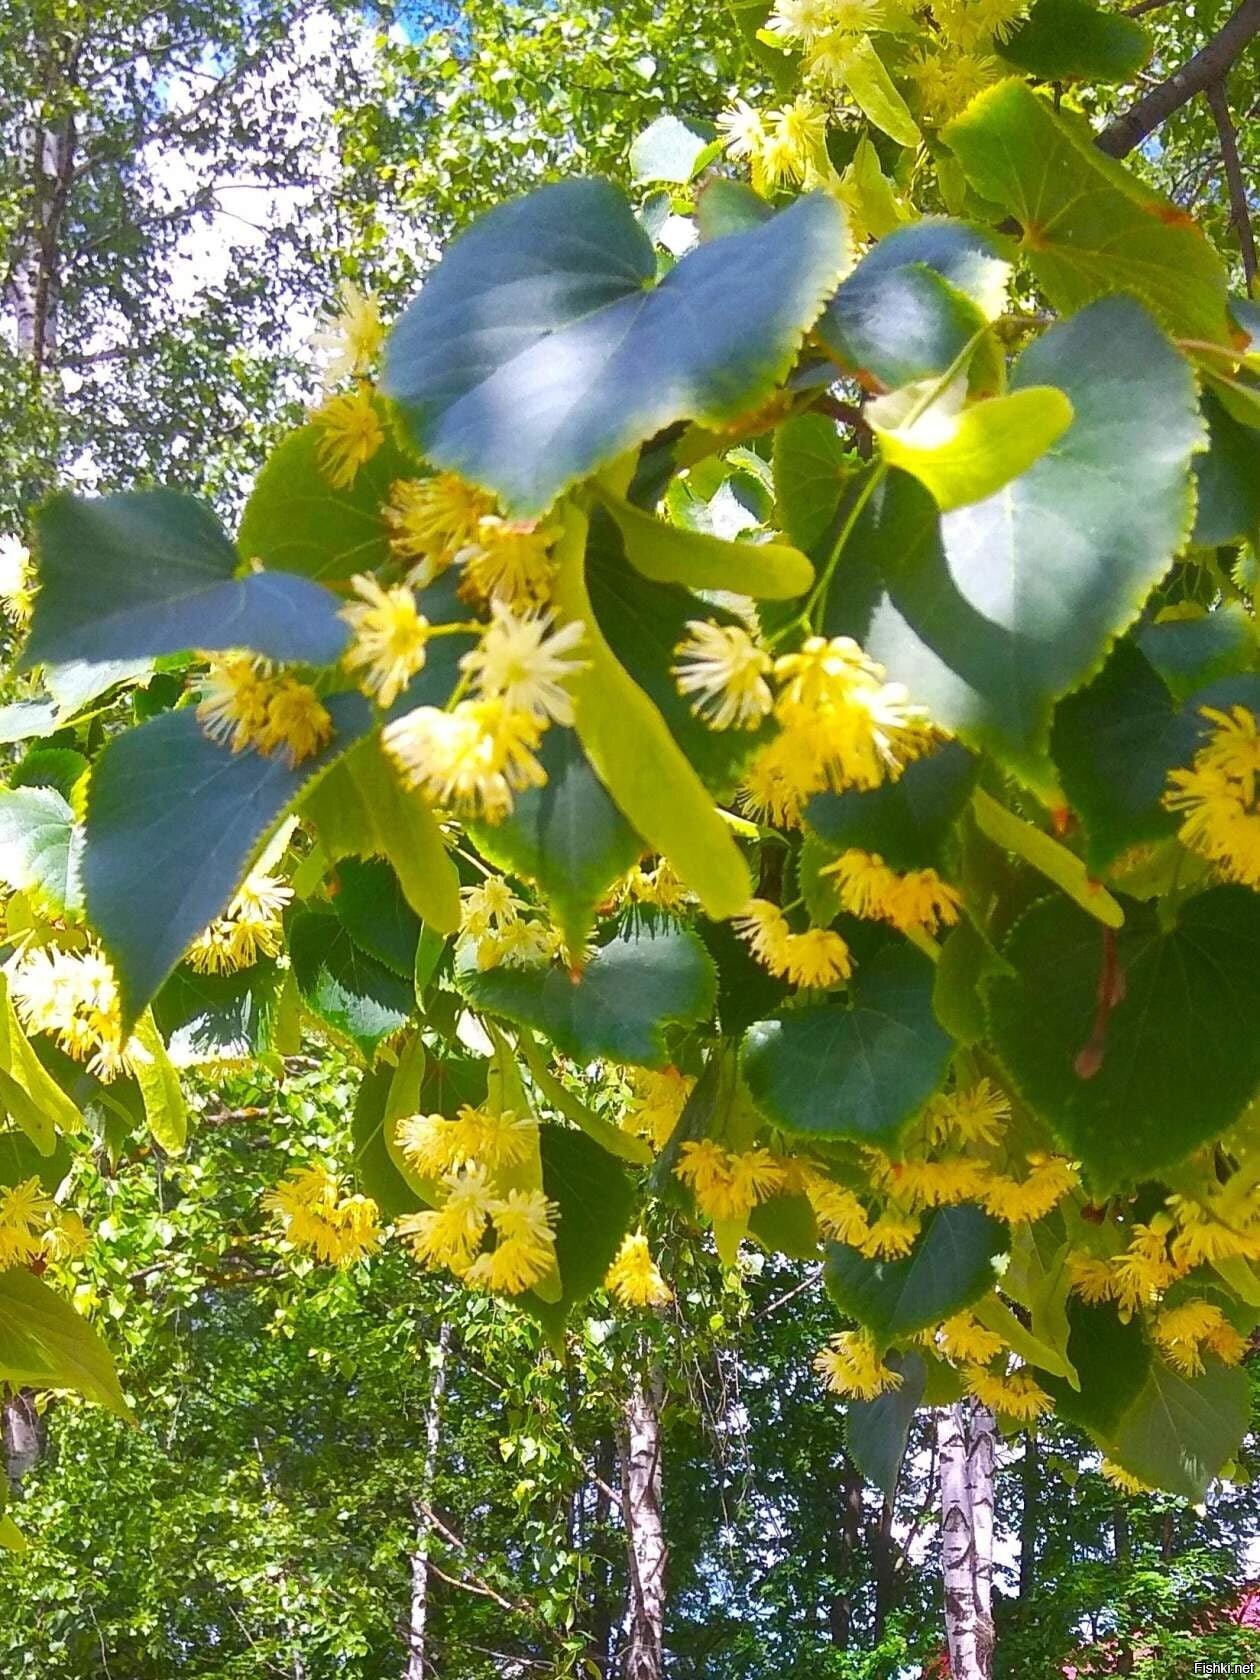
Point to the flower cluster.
(349, 433)
(500, 929)
(352, 338)
(245, 704)
(850, 1365)
(728, 1184)
(442, 521)
(475, 758)
(915, 899)
(469, 1157)
(249, 928)
(317, 1215)
(816, 957)
(1217, 796)
(73, 996)
(655, 1103)
(634, 1277)
(32, 1226)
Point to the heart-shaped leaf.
(173, 822)
(152, 572)
(859, 1072)
(649, 977)
(539, 348)
(950, 1266)
(1170, 1063)
(45, 1343)
(1181, 1432)
(991, 612)
(1072, 40)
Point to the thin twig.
(782, 1300)
(1240, 209)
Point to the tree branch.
(1240, 208)
(1208, 65)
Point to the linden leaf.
(539, 348)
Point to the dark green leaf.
(858, 1072)
(950, 1266)
(1072, 40)
(876, 1431)
(151, 572)
(643, 980)
(173, 822)
(21, 1159)
(726, 206)
(539, 349)
(1090, 227)
(1180, 1057)
(809, 456)
(350, 991)
(369, 903)
(294, 521)
(596, 1200)
(218, 1017)
(1181, 1432)
(567, 837)
(1112, 1360)
(967, 959)
(1228, 480)
(907, 822)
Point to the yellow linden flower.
(509, 560)
(249, 928)
(928, 1184)
(917, 898)
(432, 520)
(1145, 1268)
(850, 1365)
(524, 1221)
(800, 20)
(353, 337)
(1017, 1396)
(975, 1115)
(390, 638)
(726, 1185)
(451, 1234)
(25, 1211)
(235, 693)
(890, 1236)
(521, 662)
(660, 886)
(471, 760)
(634, 1277)
(67, 1237)
(817, 957)
(657, 1103)
(966, 23)
(350, 434)
(73, 996)
(858, 729)
(839, 1213)
(795, 143)
(1182, 1332)
(1029, 1199)
(520, 944)
(17, 582)
(950, 79)
(297, 725)
(725, 669)
(743, 131)
(316, 1215)
(1120, 1478)
(780, 779)
(1217, 796)
(434, 1144)
(488, 907)
(963, 1340)
(1091, 1278)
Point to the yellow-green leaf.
(668, 554)
(164, 1105)
(967, 454)
(51, 1107)
(609, 1137)
(873, 91)
(635, 756)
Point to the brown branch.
(1240, 209)
(1208, 65)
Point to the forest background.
(370, 1472)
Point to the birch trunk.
(645, 1533)
(25, 1436)
(418, 1619)
(965, 1449)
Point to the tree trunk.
(25, 1436)
(418, 1619)
(965, 1449)
(645, 1533)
